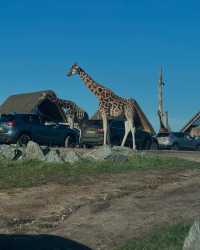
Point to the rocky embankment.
(59, 155)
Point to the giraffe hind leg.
(127, 130)
(133, 136)
(108, 134)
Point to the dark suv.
(21, 128)
(92, 135)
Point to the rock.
(117, 157)
(120, 154)
(53, 156)
(34, 152)
(45, 149)
(19, 153)
(123, 150)
(98, 154)
(10, 152)
(192, 241)
(71, 157)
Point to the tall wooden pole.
(163, 116)
(160, 94)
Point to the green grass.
(33, 173)
(169, 238)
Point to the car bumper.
(91, 140)
(164, 146)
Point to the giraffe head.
(73, 70)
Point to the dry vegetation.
(103, 205)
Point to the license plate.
(91, 132)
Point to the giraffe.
(73, 112)
(110, 105)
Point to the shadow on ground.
(38, 242)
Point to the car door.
(59, 134)
(190, 142)
(181, 140)
(53, 133)
(38, 129)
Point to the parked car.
(177, 140)
(21, 128)
(92, 135)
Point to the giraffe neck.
(68, 104)
(90, 83)
(64, 103)
(73, 109)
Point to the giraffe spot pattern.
(109, 102)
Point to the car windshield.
(179, 135)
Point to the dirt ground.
(103, 212)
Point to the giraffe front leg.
(108, 133)
(70, 121)
(105, 128)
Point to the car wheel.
(154, 146)
(70, 142)
(23, 140)
(175, 146)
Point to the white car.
(177, 140)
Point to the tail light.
(100, 130)
(11, 123)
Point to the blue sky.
(120, 43)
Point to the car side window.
(34, 119)
(188, 137)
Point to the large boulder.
(120, 154)
(9, 152)
(98, 154)
(34, 152)
(123, 150)
(117, 157)
(71, 156)
(192, 241)
(53, 156)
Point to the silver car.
(177, 140)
